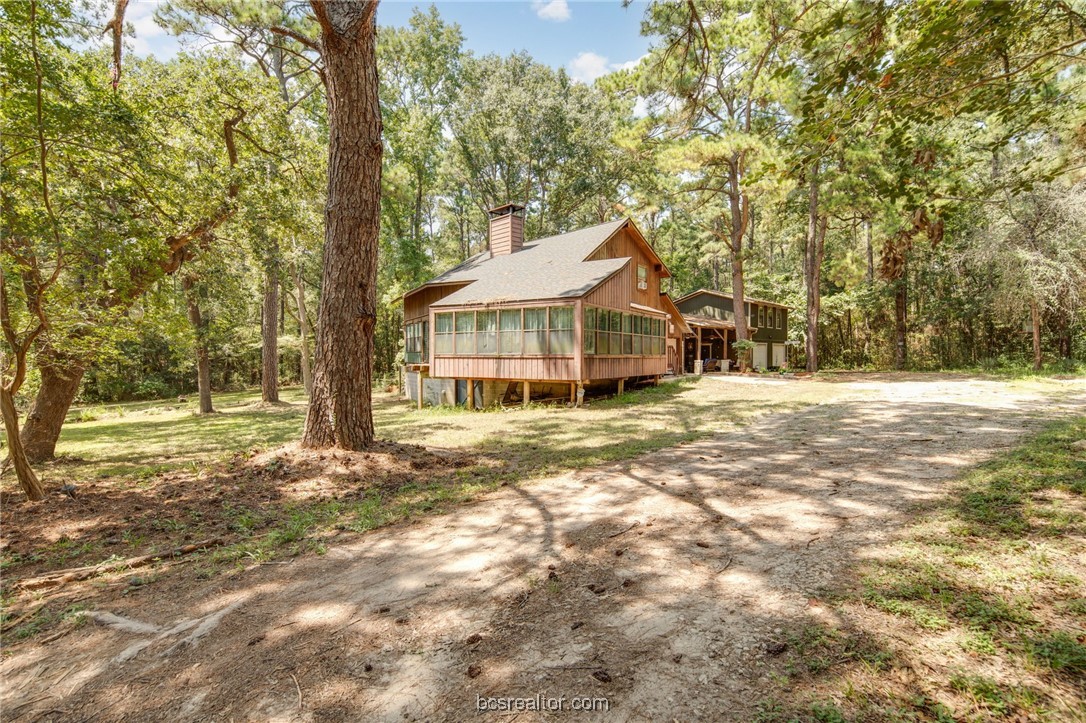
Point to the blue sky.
(587, 37)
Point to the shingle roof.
(548, 268)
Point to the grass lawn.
(154, 476)
(978, 613)
(143, 438)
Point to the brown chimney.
(506, 229)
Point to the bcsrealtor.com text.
(542, 702)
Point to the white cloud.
(556, 10)
(588, 66)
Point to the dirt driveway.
(657, 584)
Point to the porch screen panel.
(603, 321)
(443, 333)
(535, 331)
(616, 332)
(511, 330)
(465, 332)
(486, 332)
(561, 330)
(590, 330)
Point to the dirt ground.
(663, 585)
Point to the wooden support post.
(527, 392)
(573, 393)
(470, 400)
(419, 372)
(697, 355)
(580, 394)
(621, 386)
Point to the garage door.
(760, 353)
(778, 355)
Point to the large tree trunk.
(340, 410)
(60, 379)
(203, 357)
(1035, 319)
(303, 331)
(23, 471)
(901, 328)
(738, 208)
(812, 271)
(269, 331)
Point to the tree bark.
(812, 269)
(60, 379)
(870, 254)
(901, 328)
(269, 331)
(340, 410)
(203, 357)
(738, 208)
(23, 471)
(1035, 319)
(303, 331)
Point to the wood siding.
(416, 304)
(506, 234)
(530, 368)
(620, 367)
(621, 289)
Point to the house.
(542, 318)
(711, 315)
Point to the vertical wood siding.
(416, 306)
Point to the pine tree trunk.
(303, 332)
(23, 471)
(340, 410)
(1035, 318)
(870, 254)
(813, 272)
(269, 331)
(60, 379)
(203, 357)
(901, 329)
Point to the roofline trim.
(732, 297)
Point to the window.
(642, 277)
(510, 333)
(780, 319)
(465, 332)
(589, 330)
(535, 331)
(443, 333)
(627, 333)
(486, 328)
(416, 341)
(761, 316)
(561, 330)
(615, 341)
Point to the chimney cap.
(505, 210)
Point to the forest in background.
(908, 177)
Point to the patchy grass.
(977, 614)
(154, 476)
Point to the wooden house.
(711, 316)
(540, 318)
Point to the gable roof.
(748, 299)
(553, 267)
